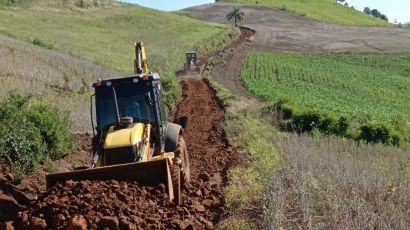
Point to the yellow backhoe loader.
(133, 141)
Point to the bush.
(379, 133)
(309, 120)
(7, 2)
(21, 145)
(80, 3)
(172, 89)
(38, 42)
(30, 133)
(54, 128)
(284, 108)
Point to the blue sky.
(169, 5)
(393, 9)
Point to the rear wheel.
(182, 153)
(180, 170)
(176, 183)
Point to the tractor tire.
(180, 172)
(176, 183)
(182, 153)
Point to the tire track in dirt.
(206, 142)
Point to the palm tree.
(236, 14)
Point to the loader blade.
(144, 173)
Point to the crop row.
(364, 88)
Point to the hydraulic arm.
(140, 62)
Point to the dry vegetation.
(330, 183)
(52, 76)
(60, 5)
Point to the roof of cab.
(151, 76)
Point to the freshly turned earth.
(122, 205)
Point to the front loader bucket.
(152, 172)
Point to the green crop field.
(322, 10)
(365, 88)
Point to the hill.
(322, 10)
(370, 91)
(50, 76)
(106, 35)
(101, 37)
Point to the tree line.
(375, 13)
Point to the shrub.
(172, 90)
(79, 3)
(342, 126)
(7, 2)
(40, 43)
(284, 108)
(54, 128)
(379, 133)
(30, 133)
(21, 145)
(308, 120)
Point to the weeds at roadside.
(32, 132)
(247, 184)
(334, 183)
(51, 166)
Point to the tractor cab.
(137, 97)
(191, 62)
(191, 58)
(130, 112)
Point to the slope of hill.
(51, 76)
(101, 37)
(322, 10)
(106, 35)
(278, 30)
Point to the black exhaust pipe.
(116, 105)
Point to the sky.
(169, 5)
(393, 9)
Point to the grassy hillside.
(51, 76)
(101, 37)
(367, 91)
(106, 35)
(322, 10)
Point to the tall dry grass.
(50, 76)
(330, 183)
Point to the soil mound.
(122, 205)
(12, 200)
